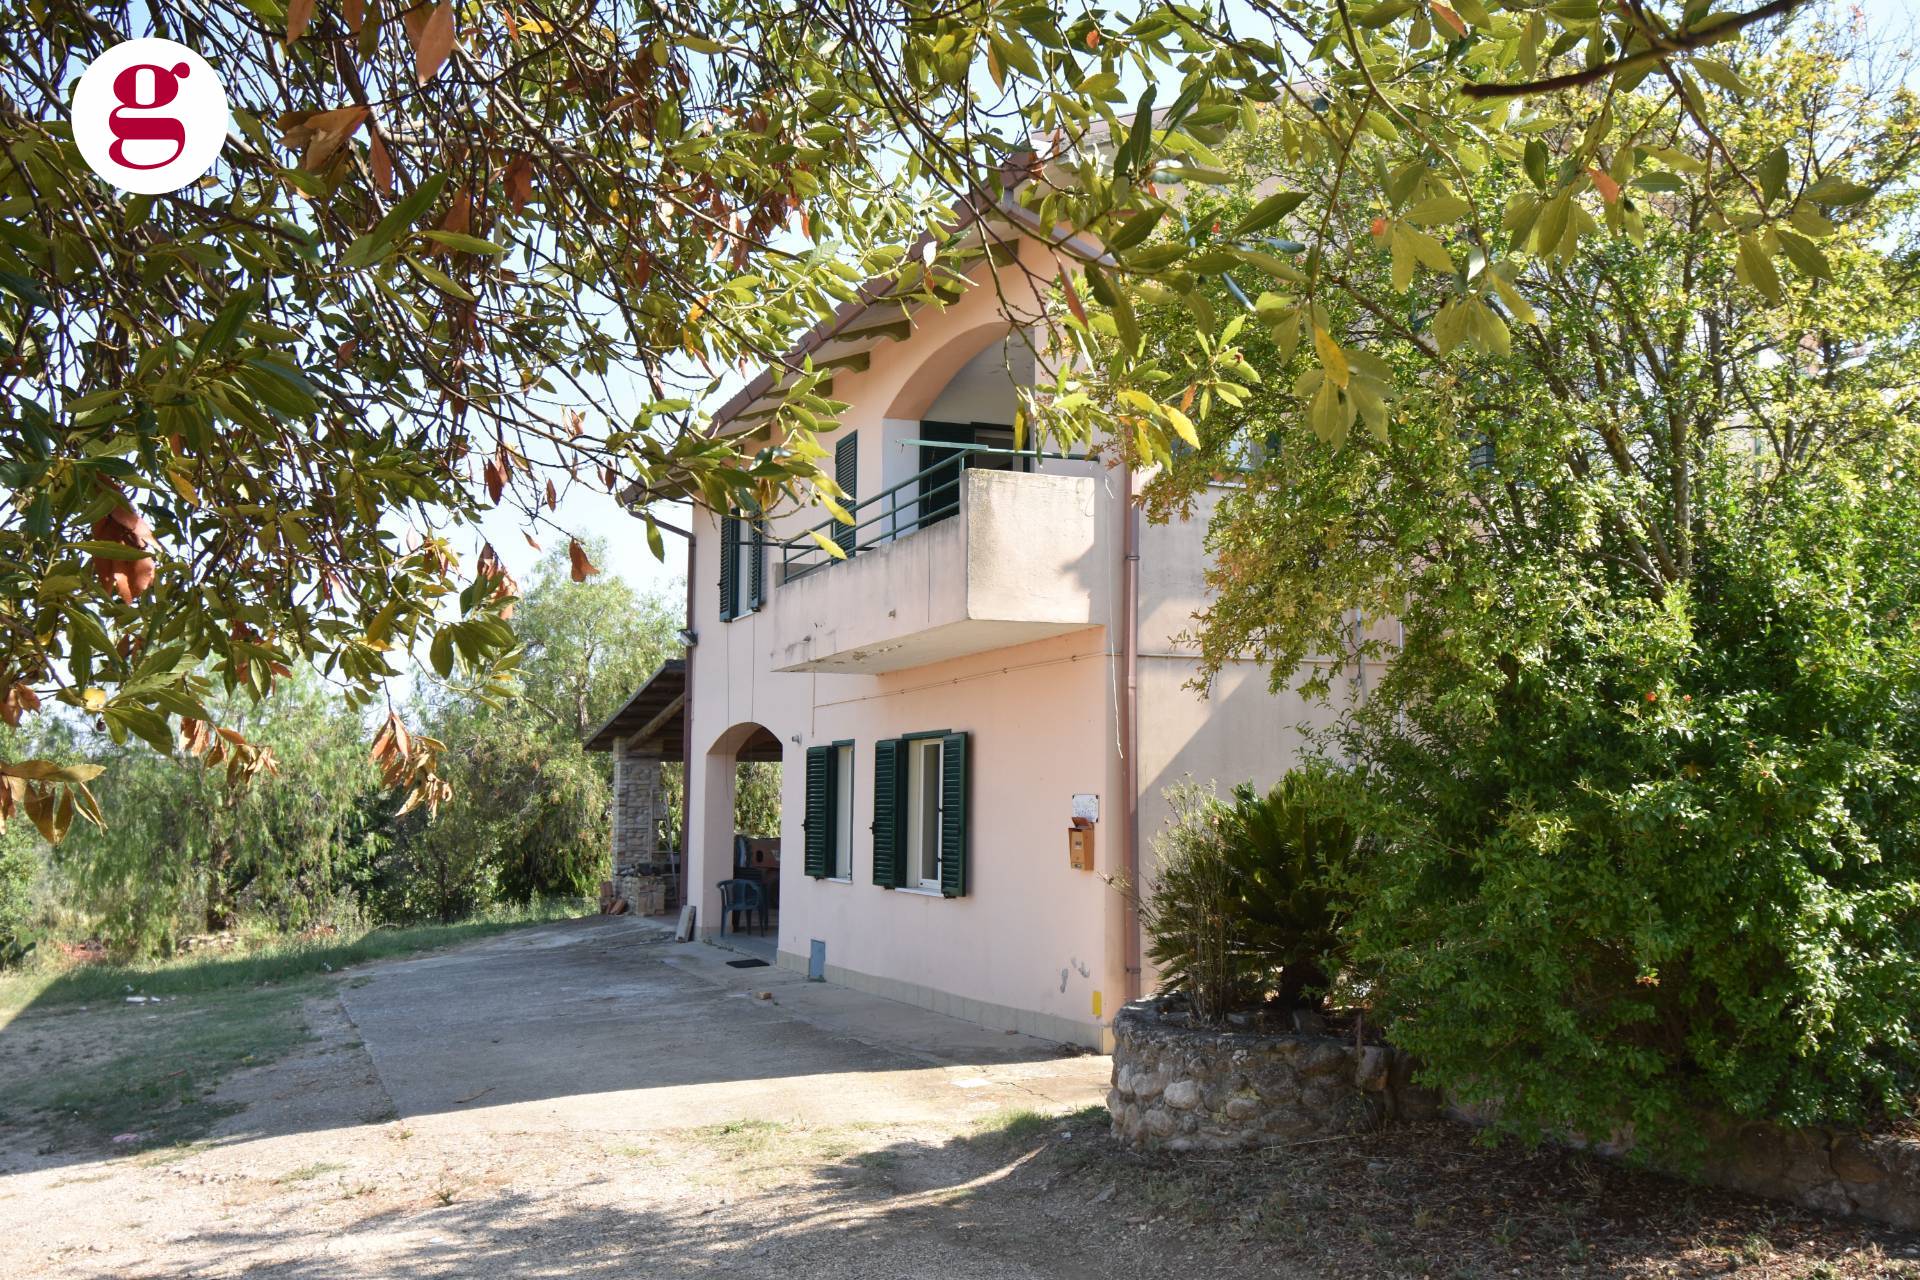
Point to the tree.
(242, 421)
(184, 849)
(529, 811)
(590, 645)
(1640, 771)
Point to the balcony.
(954, 561)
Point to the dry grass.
(1426, 1201)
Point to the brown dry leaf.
(1603, 182)
(354, 13)
(299, 13)
(327, 131)
(382, 165)
(431, 33)
(496, 479)
(529, 538)
(583, 568)
(519, 182)
(553, 496)
(127, 579)
(19, 700)
(459, 216)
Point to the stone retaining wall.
(1186, 1088)
(1199, 1089)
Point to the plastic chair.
(737, 896)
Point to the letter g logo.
(150, 116)
(125, 127)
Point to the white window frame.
(924, 758)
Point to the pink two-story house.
(976, 711)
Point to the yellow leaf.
(1182, 425)
(94, 698)
(1522, 309)
(1332, 358)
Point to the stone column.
(641, 874)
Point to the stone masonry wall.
(643, 872)
(1186, 1088)
(1199, 1089)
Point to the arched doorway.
(740, 839)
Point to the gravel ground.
(590, 1101)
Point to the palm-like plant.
(1247, 904)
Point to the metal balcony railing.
(926, 497)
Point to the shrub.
(1669, 858)
(19, 863)
(1245, 907)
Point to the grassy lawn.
(84, 1063)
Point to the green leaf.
(1723, 76)
(1192, 173)
(1534, 160)
(1269, 211)
(1804, 254)
(1771, 173)
(1516, 302)
(112, 550)
(1754, 266)
(1835, 190)
(440, 653)
(1424, 248)
(1381, 14)
(1014, 52)
(464, 243)
(405, 213)
(1437, 210)
(1135, 230)
(444, 282)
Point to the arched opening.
(741, 839)
(954, 413)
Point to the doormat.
(748, 964)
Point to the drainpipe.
(1130, 728)
(686, 735)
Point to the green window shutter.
(846, 474)
(954, 794)
(729, 568)
(889, 857)
(757, 567)
(820, 815)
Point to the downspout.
(686, 736)
(1130, 729)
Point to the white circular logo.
(150, 116)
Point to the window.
(829, 822)
(843, 811)
(846, 474)
(743, 566)
(923, 825)
(920, 806)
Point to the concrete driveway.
(590, 1099)
(607, 1024)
